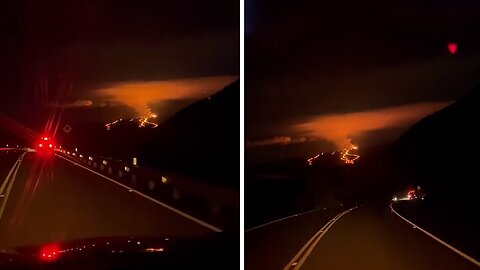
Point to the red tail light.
(49, 252)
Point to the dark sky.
(307, 61)
(74, 48)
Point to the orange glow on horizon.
(139, 95)
(340, 127)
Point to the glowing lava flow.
(347, 157)
(310, 160)
(144, 121)
(108, 125)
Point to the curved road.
(364, 238)
(50, 199)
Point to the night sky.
(74, 54)
(319, 72)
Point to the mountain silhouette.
(439, 153)
(203, 138)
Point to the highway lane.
(52, 200)
(364, 238)
(273, 245)
(368, 238)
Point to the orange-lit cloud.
(139, 95)
(75, 104)
(340, 127)
(275, 140)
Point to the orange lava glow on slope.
(345, 155)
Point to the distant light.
(164, 180)
(50, 145)
(104, 162)
(452, 47)
(76, 149)
(395, 199)
(127, 169)
(81, 156)
(7, 145)
(134, 162)
(90, 158)
(154, 249)
(40, 145)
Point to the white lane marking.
(5, 182)
(9, 173)
(297, 261)
(294, 260)
(281, 219)
(437, 239)
(11, 181)
(204, 224)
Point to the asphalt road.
(51, 199)
(272, 246)
(364, 238)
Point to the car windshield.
(118, 119)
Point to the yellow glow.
(348, 157)
(310, 160)
(154, 249)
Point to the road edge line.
(10, 184)
(317, 236)
(282, 219)
(185, 215)
(5, 182)
(465, 256)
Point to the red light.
(452, 47)
(40, 145)
(49, 253)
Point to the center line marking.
(297, 261)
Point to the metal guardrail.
(215, 204)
